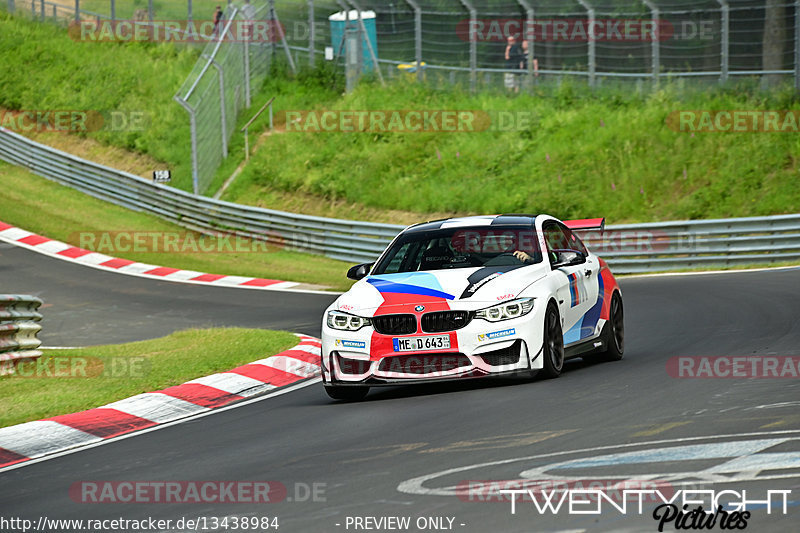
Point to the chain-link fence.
(466, 41)
(221, 85)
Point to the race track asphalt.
(365, 457)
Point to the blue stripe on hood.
(422, 283)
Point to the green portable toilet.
(338, 23)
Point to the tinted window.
(461, 248)
(558, 237)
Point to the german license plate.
(421, 344)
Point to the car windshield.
(441, 249)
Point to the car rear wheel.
(553, 349)
(615, 337)
(348, 394)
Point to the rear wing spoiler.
(586, 224)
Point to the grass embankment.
(44, 69)
(608, 152)
(72, 216)
(67, 381)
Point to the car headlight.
(506, 310)
(346, 321)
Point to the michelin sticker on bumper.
(496, 334)
(351, 344)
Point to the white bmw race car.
(470, 297)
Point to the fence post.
(77, 10)
(352, 54)
(473, 45)
(725, 23)
(246, 49)
(417, 36)
(189, 11)
(150, 10)
(223, 122)
(41, 7)
(311, 34)
(193, 127)
(275, 21)
(592, 40)
(11, 6)
(655, 48)
(367, 40)
(526, 36)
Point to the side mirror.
(359, 271)
(568, 258)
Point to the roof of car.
(474, 221)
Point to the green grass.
(90, 377)
(605, 153)
(44, 69)
(72, 214)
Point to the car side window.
(554, 238)
(573, 242)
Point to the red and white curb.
(32, 440)
(61, 250)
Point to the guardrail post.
(473, 45)
(592, 41)
(655, 48)
(724, 42)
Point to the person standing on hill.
(217, 20)
(513, 60)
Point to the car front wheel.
(553, 349)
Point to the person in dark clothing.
(217, 20)
(514, 59)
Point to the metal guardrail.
(629, 248)
(18, 329)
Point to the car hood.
(463, 287)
